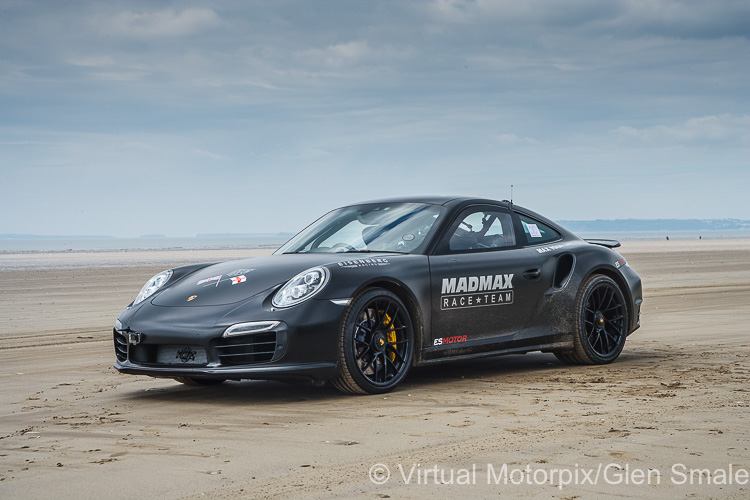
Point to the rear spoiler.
(604, 243)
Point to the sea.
(271, 242)
(76, 245)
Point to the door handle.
(532, 274)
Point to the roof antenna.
(511, 195)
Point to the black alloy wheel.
(601, 323)
(376, 343)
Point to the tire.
(376, 343)
(199, 381)
(601, 323)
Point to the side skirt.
(551, 347)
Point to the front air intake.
(247, 349)
(121, 346)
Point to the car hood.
(238, 280)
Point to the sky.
(127, 118)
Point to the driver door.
(480, 295)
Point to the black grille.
(247, 349)
(121, 346)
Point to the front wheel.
(376, 343)
(601, 323)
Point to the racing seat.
(463, 240)
(494, 241)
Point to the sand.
(72, 427)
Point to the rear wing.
(604, 243)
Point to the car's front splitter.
(317, 371)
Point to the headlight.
(301, 287)
(152, 286)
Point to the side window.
(482, 229)
(536, 232)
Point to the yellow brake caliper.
(391, 336)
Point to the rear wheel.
(376, 343)
(199, 381)
(601, 323)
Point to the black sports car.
(369, 290)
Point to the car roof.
(433, 200)
(459, 202)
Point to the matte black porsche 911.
(369, 290)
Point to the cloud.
(92, 61)
(513, 139)
(337, 55)
(355, 54)
(159, 24)
(444, 96)
(681, 19)
(724, 128)
(692, 19)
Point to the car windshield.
(380, 227)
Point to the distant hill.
(657, 225)
(52, 237)
(243, 235)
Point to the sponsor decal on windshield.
(351, 264)
(476, 291)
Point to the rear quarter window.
(535, 232)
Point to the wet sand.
(72, 427)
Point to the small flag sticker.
(239, 279)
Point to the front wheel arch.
(410, 301)
(376, 343)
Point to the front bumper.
(174, 342)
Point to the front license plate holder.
(181, 355)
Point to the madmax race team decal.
(476, 291)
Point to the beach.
(677, 399)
